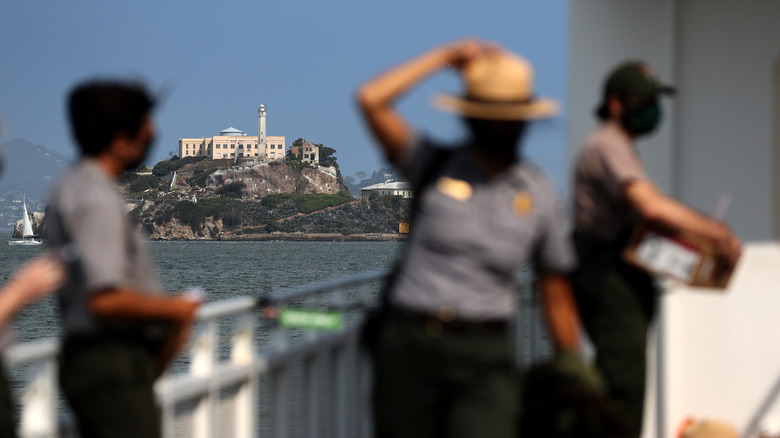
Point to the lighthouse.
(261, 134)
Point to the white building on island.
(388, 188)
(234, 144)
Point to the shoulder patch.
(523, 203)
(454, 188)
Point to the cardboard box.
(677, 255)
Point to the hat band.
(525, 101)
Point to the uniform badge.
(523, 203)
(454, 188)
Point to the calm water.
(223, 269)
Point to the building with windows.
(234, 144)
(305, 151)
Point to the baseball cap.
(635, 78)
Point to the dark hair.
(101, 109)
(602, 111)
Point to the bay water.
(223, 269)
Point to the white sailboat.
(28, 238)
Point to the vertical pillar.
(261, 133)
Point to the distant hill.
(378, 176)
(27, 169)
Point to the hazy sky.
(217, 61)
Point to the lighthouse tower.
(261, 134)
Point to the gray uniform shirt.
(473, 233)
(87, 216)
(606, 163)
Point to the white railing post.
(279, 389)
(312, 383)
(243, 353)
(364, 384)
(338, 370)
(39, 415)
(203, 362)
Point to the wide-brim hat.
(498, 86)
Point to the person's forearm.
(376, 98)
(561, 311)
(656, 207)
(385, 88)
(11, 300)
(129, 304)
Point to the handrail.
(297, 367)
(307, 290)
(208, 374)
(20, 354)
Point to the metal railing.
(236, 380)
(237, 359)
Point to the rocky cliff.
(266, 179)
(209, 199)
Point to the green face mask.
(643, 119)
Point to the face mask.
(642, 119)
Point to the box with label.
(677, 255)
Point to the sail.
(27, 230)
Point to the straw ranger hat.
(498, 86)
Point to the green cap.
(634, 79)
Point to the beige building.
(306, 151)
(232, 143)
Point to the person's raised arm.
(654, 206)
(36, 279)
(377, 96)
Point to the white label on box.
(665, 256)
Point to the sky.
(216, 62)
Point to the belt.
(449, 321)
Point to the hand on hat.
(462, 52)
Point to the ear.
(119, 144)
(615, 106)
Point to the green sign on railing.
(310, 319)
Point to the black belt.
(456, 324)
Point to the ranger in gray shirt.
(443, 360)
(612, 195)
(119, 327)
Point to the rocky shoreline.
(306, 237)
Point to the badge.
(523, 203)
(454, 188)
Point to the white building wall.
(728, 57)
(719, 136)
(718, 132)
(602, 34)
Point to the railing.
(238, 381)
(231, 360)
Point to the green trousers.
(109, 385)
(444, 382)
(616, 320)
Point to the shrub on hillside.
(232, 190)
(318, 201)
(165, 167)
(194, 214)
(201, 177)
